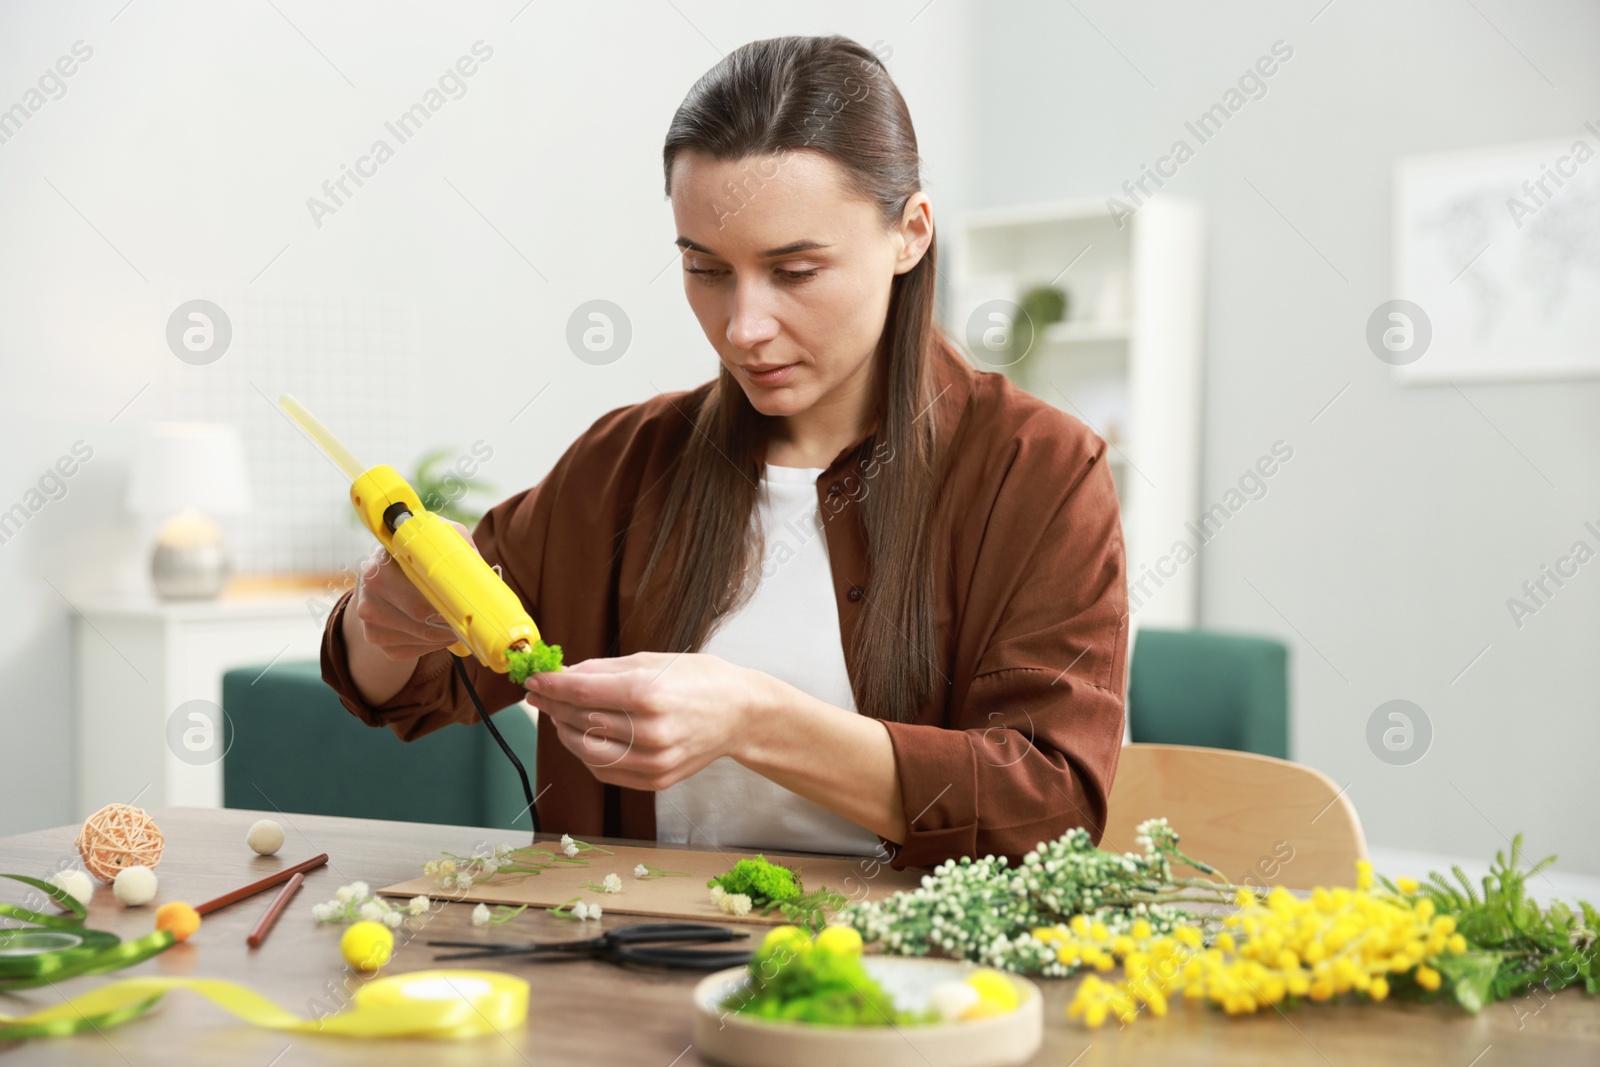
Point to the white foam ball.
(265, 836)
(952, 999)
(135, 885)
(76, 883)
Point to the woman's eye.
(716, 274)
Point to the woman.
(851, 595)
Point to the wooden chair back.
(1259, 821)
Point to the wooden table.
(587, 1012)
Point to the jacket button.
(836, 488)
(856, 592)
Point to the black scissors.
(625, 944)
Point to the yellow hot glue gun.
(485, 614)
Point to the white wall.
(1386, 550)
(189, 142)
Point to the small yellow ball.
(779, 936)
(366, 946)
(997, 994)
(841, 940)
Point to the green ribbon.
(56, 947)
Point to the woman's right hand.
(390, 614)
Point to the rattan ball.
(118, 836)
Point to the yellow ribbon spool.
(429, 1004)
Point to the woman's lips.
(771, 377)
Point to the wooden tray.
(673, 896)
(736, 1040)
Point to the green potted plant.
(1041, 306)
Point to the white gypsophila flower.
(463, 880)
(489, 867)
(717, 892)
(360, 890)
(392, 918)
(503, 851)
(739, 904)
(344, 893)
(580, 910)
(418, 904)
(566, 839)
(370, 911)
(613, 883)
(569, 849)
(641, 871)
(594, 911)
(431, 867)
(480, 915)
(321, 912)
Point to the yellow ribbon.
(434, 1004)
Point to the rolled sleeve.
(1033, 743)
(423, 704)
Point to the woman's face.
(785, 266)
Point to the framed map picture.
(1500, 249)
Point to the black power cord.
(522, 772)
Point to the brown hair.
(831, 95)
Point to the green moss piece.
(763, 881)
(541, 657)
(819, 987)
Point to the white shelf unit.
(139, 659)
(1125, 359)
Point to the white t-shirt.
(789, 628)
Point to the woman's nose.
(750, 320)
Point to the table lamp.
(184, 473)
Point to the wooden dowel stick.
(275, 909)
(276, 878)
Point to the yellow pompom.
(783, 935)
(366, 946)
(842, 940)
(997, 994)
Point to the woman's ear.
(914, 233)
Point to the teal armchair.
(1216, 690)
(294, 747)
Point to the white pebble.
(265, 836)
(135, 885)
(76, 883)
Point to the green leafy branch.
(1516, 944)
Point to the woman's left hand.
(649, 720)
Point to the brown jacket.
(1031, 603)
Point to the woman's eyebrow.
(771, 253)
